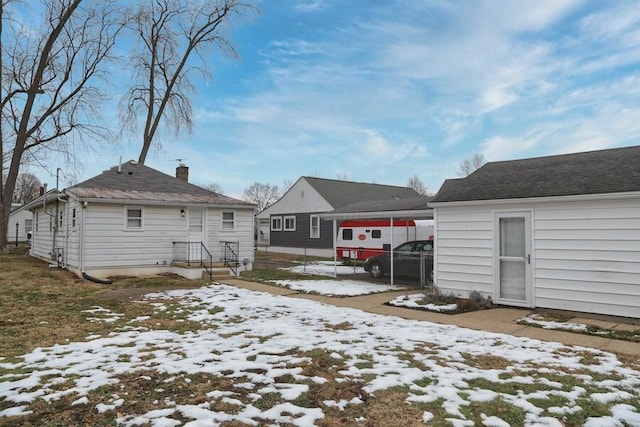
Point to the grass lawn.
(74, 353)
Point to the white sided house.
(559, 232)
(20, 223)
(134, 220)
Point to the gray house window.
(133, 218)
(228, 221)
(289, 223)
(28, 225)
(314, 221)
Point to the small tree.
(416, 184)
(468, 166)
(262, 195)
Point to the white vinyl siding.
(588, 257)
(242, 233)
(585, 254)
(464, 242)
(107, 245)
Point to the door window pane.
(512, 238)
(195, 220)
(512, 280)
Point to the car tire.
(375, 269)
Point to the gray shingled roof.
(595, 172)
(343, 193)
(412, 203)
(136, 182)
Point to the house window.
(28, 225)
(228, 221)
(376, 234)
(289, 223)
(347, 234)
(314, 221)
(73, 218)
(60, 222)
(276, 223)
(133, 218)
(36, 221)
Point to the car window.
(427, 246)
(405, 247)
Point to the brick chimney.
(182, 172)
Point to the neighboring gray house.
(20, 221)
(134, 220)
(293, 223)
(560, 232)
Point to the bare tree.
(262, 195)
(286, 185)
(416, 184)
(214, 186)
(27, 188)
(468, 166)
(171, 33)
(342, 176)
(49, 100)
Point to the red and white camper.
(360, 239)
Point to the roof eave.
(545, 199)
(411, 213)
(138, 202)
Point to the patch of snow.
(416, 301)
(336, 287)
(259, 337)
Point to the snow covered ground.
(253, 338)
(333, 287)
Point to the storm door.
(513, 258)
(195, 232)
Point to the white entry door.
(195, 232)
(513, 258)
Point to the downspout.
(81, 236)
(335, 245)
(391, 249)
(57, 227)
(66, 234)
(55, 221)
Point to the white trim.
(544, 199)
(284, 223)
(271, 221)
(311, 234)
(529, 286)
(126, 218)
(223, 221)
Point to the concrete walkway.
(501, 320)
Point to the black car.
(406, 260)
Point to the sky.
(381, 91)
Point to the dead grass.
(43, 306)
